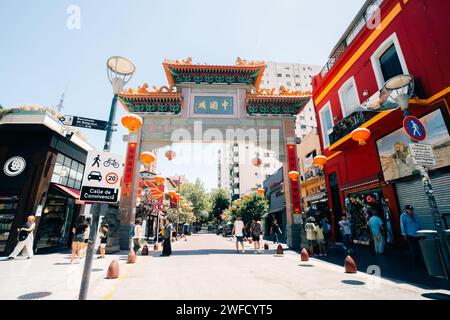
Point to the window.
(288, 84)
(67, 172)
(279, 75)
(348, 96)
(326, 123)
(288, 76)
(388, 60)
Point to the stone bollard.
(156, 246)
(144, 251)
(173, 239)
(250, 241)
(113, 270)
(131, 257)
(350, 265)
(279, 250)
(304, 255)
(266, 246)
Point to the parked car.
(211, 227)
(219, 229)
(228, 229)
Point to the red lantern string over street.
(159, 179)
(320, 161)
(293, 175)
(257, 162)
(132, 122)
(361, 135)
(147, 157)
(170, 155)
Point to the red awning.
(74, 193)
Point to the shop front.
(274, 190)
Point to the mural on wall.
(396, 161)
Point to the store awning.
(316, 196)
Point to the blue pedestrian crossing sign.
(414, 128)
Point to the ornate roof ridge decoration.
(282, 92)
(249, 63)
(143, 90)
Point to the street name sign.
(422, 154)
(101, 180)
(87, 123)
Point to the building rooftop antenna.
(60, 105)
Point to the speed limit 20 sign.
(112, 178)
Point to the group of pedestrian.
(315, 233)
(255, 230)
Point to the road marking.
(110, 293)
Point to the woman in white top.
(310, 228)
(25, 233)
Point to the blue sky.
(40, 57)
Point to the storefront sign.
(422, 154)
(295, 186)
(101, 182)
(14, 166)
(84, 122)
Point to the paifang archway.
(216, 103)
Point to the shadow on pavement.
(34, 295)
(436, 296)
(394, 264)
(354, 282)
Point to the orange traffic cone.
(144, 251)
(113, 270)
(350, 265)
(131, 257)
(280, 250)
(304, 255)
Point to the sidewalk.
(394, 264)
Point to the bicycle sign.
(101, 180)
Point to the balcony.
(350, 123)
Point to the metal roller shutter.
(412, 193)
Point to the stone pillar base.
(113, 245)
(293, 236)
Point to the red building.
(386, 38)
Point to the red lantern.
(257, 162)
(170, 155)
(293, 175)
(246, 196)
(171, 193)
(159, 179)
(132, 122)
(261, 191)
(320, 161)
(147, 157)
(361, 135)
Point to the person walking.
(104, 234)
(261, 237)
(238, 232)
(136, 235)
(78, 238)
(409, 225)
(87, 233)
(310, 228)
(376, 227)
(346, 230)
(275, 231)
(326, 229)
(256, 235)
(320, 238)
(167, 243)
(185, 231)
(26, 239)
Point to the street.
(204, 267)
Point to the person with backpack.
(136, 235)
(78, 238)
(25, 238)
(104, 234)
(310, 228)
(255, 231)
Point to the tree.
(255, 207)
(196, 194)
(220, 201)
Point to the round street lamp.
(401, 89)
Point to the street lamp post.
(401, 89)
(120, 70)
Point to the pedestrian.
(238, 232)
(136, 235)
(261, 237)
(167, 243)
(377, 229)
(87, 233)
(409, 225)
(255, 230)
(346, 230)
(320, 238)
(326, 229)
(26, 239)
(104, 234)
(78, 238)
(185, 231)
(310, 228)
(275, 231)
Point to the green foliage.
(220, 200)
(255, 207)
(196, 194)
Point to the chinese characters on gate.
(213, 105)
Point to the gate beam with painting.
(221, 104)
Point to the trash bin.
(431, 252)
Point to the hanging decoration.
(132, 122)
(361, 135)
